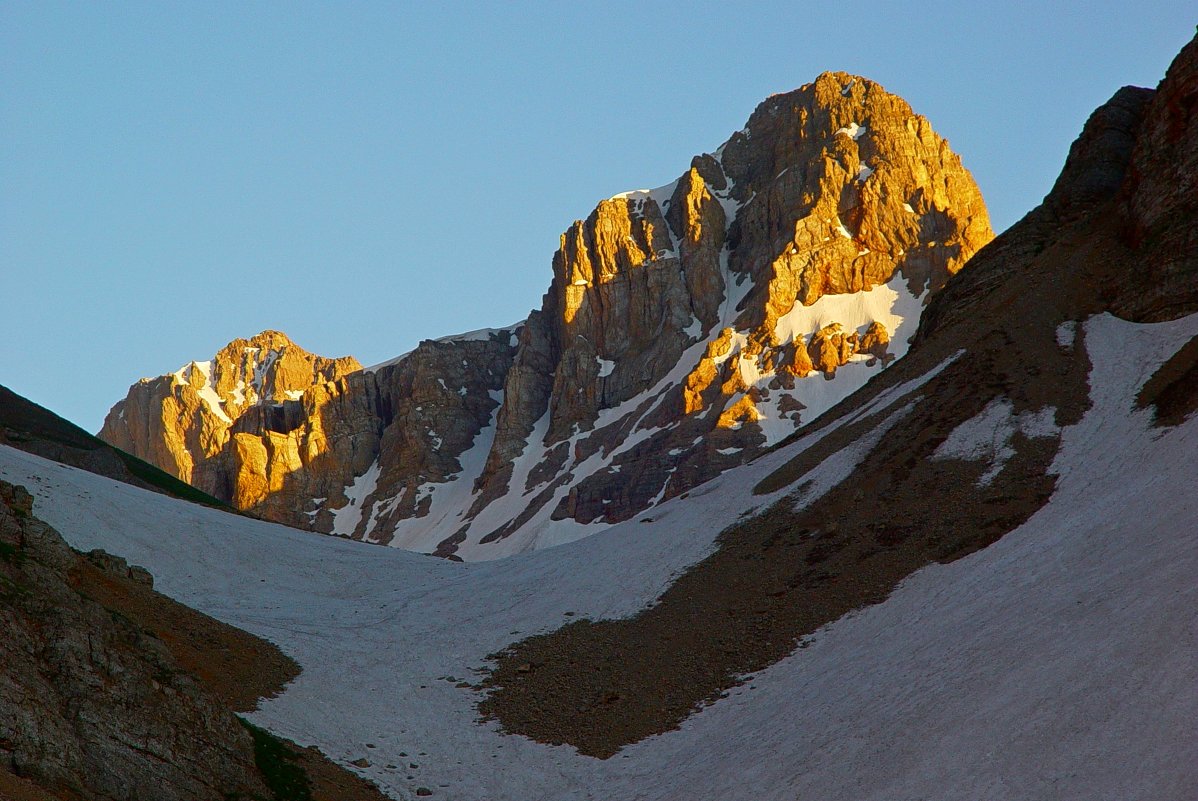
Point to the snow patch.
(987, 436)
(852, 130)
(347, 517)
(1066, 334)
(207, 391)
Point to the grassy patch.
(285, 779)
(23, 422)
(165, 481)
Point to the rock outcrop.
(91, 705)
(684, 324)
(187, 422)
(303, 440)
(685, 329)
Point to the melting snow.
(1066, 333)
(207, 391)
(480, 334)
(659, 195)
(890, 304)
(374, 368)
(346, 518)
(605, 367)
(987, 436)
(852, 130)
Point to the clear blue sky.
(366, 175)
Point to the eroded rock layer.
(686, 328)
(91, 705)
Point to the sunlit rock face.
(685, 329)
(691, 326)
(280, 432)
(191, 422)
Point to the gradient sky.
(366, 175)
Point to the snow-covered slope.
(1057, 663)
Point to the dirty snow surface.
(1057, 663)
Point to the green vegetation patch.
(276, 762)
(23, 423)
(165, 481)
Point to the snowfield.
(1057, 663)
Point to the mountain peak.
(685, 330)
(208, 399)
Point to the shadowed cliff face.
(685, 329)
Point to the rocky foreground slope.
(686, 329)
(69, 665)
(110, 691)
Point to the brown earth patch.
(330, 781)
(16, 788)
(236, 666)
(774, 579)
(1173, 389)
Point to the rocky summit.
(685, 330)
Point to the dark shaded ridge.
(1093, 174)
(781, 576)
(1172, 391)
(32, 428)
(775, 579)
